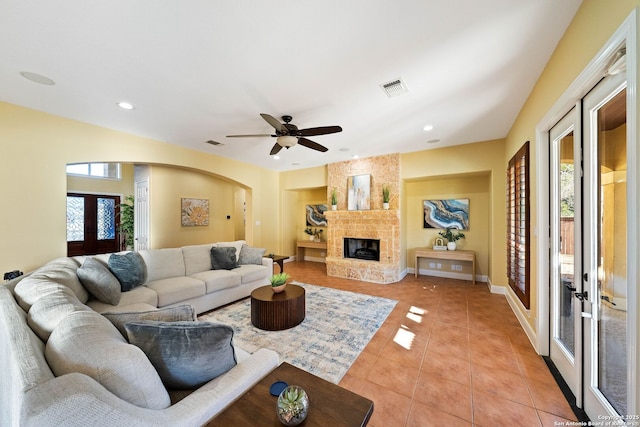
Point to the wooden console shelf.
(302, 244)
(469, 256)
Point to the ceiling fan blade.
(276, 149)
(250, 136)
(324, 130)
(313, 145)
(273, 122)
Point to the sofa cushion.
(139, 295)
(176, 289)
(163, 263)
(169, 314)
(197, 258)
(87, 343)
(58, 272)
(251, 255)
(251, 272)
(185, 354)
(223, 258)
(99, 281)
(45, 314)
(218, 279)
(129, 268)
(237, 244)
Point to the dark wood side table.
(275, 312)
(330, 404)
(279, 259)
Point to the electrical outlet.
(459, 268)
(432, 265)
(438, 266)
(454, 267)
(323, 254)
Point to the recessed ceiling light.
(125, 105)
(427, 128)
(433, 141)
(295, 164)
(355, 156)
(343, 149)
(276, 157)
(37, 78)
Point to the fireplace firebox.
(366, 249)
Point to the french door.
(588, 241)
(91, 224)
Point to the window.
(95, 170)
(518, 224)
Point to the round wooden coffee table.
(275, 312)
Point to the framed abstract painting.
(359, 192)
(446, 213)
(315, 215)
(194, 212)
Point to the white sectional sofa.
(65, 364)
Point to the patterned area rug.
(337, 327)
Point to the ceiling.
(200, 70)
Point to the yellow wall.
(33, 183)
(476, 188)
(169, 185)
(453, 166)
(594, 23)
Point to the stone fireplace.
(377, 230)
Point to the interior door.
(565, 347)
(141, 214)
(605, 257)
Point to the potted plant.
(317, 233)
(127, 222)
(309, 231)
(279, 282)
(293, 406)
(334, 199)
(386, 194)
(452, 235)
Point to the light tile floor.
(450, 354)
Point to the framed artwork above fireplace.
(359, 192)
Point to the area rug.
(337, 327)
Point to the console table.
(302, 244)
(469, 256)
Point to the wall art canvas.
(315, 215)
(446, 213)
(194, 212)
(359, 192)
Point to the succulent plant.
(279, 279)
(293, 405)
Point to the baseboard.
(514, 303)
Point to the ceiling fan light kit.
(288, 134)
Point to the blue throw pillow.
(129, 268)
(185, 354)
(223, 258)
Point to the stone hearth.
(383, 225)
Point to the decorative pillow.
(223, 258)
(249, 255)
(185, 354)
(87, 343)
(129, 268)
(99, 281)
(184, 312)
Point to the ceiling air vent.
(394, 88)
(212, 142)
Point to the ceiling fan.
(289, 135)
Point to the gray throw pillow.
(184, 312)
(129, 268)
(185, 354)
(223, 258)
(249, 255)
(99, 281)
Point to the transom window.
(95, 170)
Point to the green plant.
(386, 193)
(451, 234)
(334, 196)
(279, 279)
(308, 231)
(293, 405)
(127, 218)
